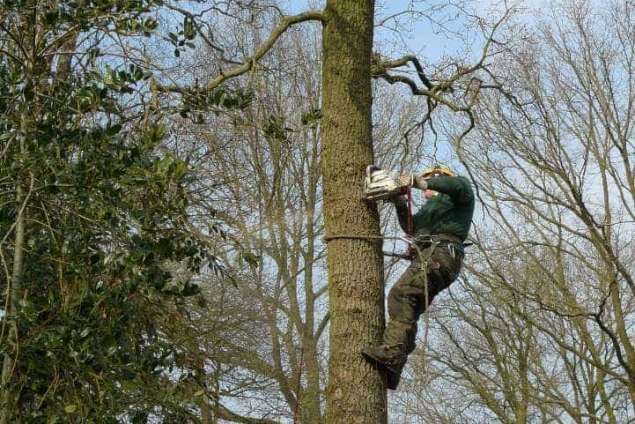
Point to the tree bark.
(7, 398)
(355, 392)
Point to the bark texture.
(355, 392)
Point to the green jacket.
(449, 212)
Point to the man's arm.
(458, 188)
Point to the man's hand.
(381, 184)
(420, 182)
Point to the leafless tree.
(540, 329)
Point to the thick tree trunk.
(355, 391)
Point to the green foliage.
(106, 217)
(184, 37)
(215, 100)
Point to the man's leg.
(404, 307)
(407, 300)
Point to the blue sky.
(444, 31)
(452, 32)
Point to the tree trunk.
(13, 290)
(7, 398)
(355, 392)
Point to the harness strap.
(439, 238)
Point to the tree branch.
(225, 414)
(380, 70)
(285, 23)
(614, 340)
(322, 326)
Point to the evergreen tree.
(93, 213)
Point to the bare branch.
(285, 23)
(224, 413)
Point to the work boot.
(391, 358)
(392, 378)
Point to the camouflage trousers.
(435, 267)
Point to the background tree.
(540, 329)
(93, 211)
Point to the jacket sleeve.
(458, 188)
(401, 206)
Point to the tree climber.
(437, 233)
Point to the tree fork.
(355, 392)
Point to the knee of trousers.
(403, 334)
(405, 302)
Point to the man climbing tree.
(437, 233)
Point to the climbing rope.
(426, 318)
(374, 237)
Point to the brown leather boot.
(390, 358)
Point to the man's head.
(435, 171)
